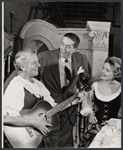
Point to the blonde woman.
(106, 94)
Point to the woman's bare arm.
(20, 121)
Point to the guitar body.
(26, 137)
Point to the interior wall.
(21, 13)
(20, 16)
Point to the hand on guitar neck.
(80, 97)
(84, 91)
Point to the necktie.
(67, 72)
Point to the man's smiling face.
(66, 47)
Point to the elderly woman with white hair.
(23, 93)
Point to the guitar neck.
(60, 106)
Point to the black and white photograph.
(61, 74)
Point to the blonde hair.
(115, 63)
(22, 57)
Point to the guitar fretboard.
(60, 106)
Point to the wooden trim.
(7, 51)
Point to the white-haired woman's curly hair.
(22, 57)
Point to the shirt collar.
(63, 60)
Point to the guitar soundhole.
(39, 115)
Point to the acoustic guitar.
(27, 137)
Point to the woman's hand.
(79, 99)
(76, 101)
(42, 125)
(92, 119)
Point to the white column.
(98, 36)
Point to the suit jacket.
(50, 76)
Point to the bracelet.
(71, 104)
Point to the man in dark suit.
(55, 77)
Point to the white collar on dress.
(103, 97)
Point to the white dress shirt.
(62, 65)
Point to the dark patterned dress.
(105, 108)
(108, 106)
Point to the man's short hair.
(74, 38)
